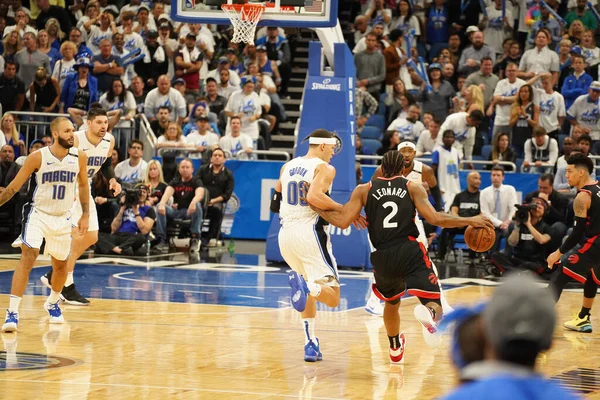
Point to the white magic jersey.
(96, 154)
(294, 177)
(52, 187)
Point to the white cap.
(472, 28)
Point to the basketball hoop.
(244, 18)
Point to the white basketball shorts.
(306, 248)
(76, 212)
(56, 229)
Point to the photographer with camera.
(131, 225)
(528, 237)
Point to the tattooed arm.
(32, 164)
(84, 194)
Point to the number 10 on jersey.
(58, 192)
(295, 191)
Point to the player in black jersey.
(400, 262)
(580, 263)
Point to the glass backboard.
(284, 13)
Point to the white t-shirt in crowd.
(494, 32)
(464, 135)
(249, 105)
(587, 114)
(425, 144)
(506, 89)
(174, 100)
(129, 174)
(407, 130)
(116, 104)
(552, 106)
(97, 35)
(208, 140)
(236, 145)
(61, 69)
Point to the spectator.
(406, 21)
(438, 100)
(545, 22)
(513, 56)
(278, 50)
(30, 59)
(139, 94)
(398, 100)
(437, 23)
(501, 150)
(428, 138)
(238, 144)
(47, 139)
(497, 203)
(578, 83)
(581, 13)
(12, 88)
(75, 36)
(107, 66)
(155, 182)
(245, 104)
(117, 98)
(465, 204)
(472, 98)
(234, 61)
(33, 146)
(216, 102)
(198, 109)
(170, 45)
(8, 171)
(163, 94)
(394, 59)
(361, 28)
(55, 35)
(496, 25)
(484, 79)
(188, 198)
(233, 77)
(567, 145)
(203, 140)
(157, 62)
(365, 106)
(556, 213)
(80, 90)
(226, 88)
(12, 44)
(564, 58)
(529, 240)
(408, 128)
(21, 26)
(585, 111)
(512, 343)
(129, 228)
(524, 115)
(133, 169)
(219, 182)
(463, 125)
(445, 163)
(143, 24)
(448, 73)
(45, 47)
(44, 93)
(8, 129)
(584, 143)
(179, 85)
(390, 141)
(540, 59)
(377, 30)
(187, 66)
(172, 138)
(132, 39)
(552, 106)
(47, 11)
(505, 94)
(471, 57)
(64, 66)
(159, 125)
(95, 34)
(590, 52)
(541, 151)
(378, 13)
(118, 50)
(370, 67)
(361, 150)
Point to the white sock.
(314, 289)
(15, 301)
(54, 297)
(308, 324)
(69, 280)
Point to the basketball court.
(165, 328)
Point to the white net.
(244, 18)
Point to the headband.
(317, 140)
(404, 145)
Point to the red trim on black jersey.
(382, 297)
(588, 244)
(423, 250)
(594, 276)
(573, 275)
(389, 179)
(423, 294)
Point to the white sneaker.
(423, 315)
(374, 306)
(212, 243)
(54, 313)
(11, 322)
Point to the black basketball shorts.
(579, 261)
(403, 268)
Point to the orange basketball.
(479, 239)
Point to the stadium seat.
(381, 109)
(371, 132)
(486, 151)
(376, 120)
(371, 145)
(560, 139)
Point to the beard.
(477, 46)
(65, 143)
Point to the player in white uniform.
(98, 145)
(303, 242)
(417, 172)
(55, 171)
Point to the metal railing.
(275, 153)
(147, 137)
(525, 169)
(378, 158)
(239, 156)
(482, 162)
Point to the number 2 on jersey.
(387, 220)
(294, 191)
(58, 192)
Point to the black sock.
(433, 313)
(394, 341)
(584, 312)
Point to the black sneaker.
(47, 279)
(71, 296)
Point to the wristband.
(137, 215)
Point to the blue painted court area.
(227, 284)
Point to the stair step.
(298, 80)
(296, 102)
(293, 114)
(287, 125)
(289, 150)
(283, 138)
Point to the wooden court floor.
(123, 349)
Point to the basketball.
(479, 239)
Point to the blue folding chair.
(377, 120)
(372, 145)
(370, 132)
(486, 151)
